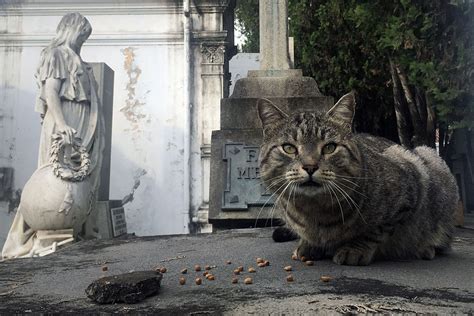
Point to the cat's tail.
(284, 234)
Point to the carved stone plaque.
(243, 184)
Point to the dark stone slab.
(128, 288)
(115, 203)
(104, 76)
(100, 223)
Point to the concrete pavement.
(56, 283)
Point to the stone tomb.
(237, 196)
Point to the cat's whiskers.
(292, 190)
(296, 190)
(325, 186)
(347, 180)
(349, 177)
(291, 183)
(266, 202)
(279, 198)
(267, 181)
(276, 202)
(291, 176)
(273, 182)
(351, 188)
(337, 199)
(262, 182)
(349, 199)
(346, 196)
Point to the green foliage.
(246, 19)
(347, 44)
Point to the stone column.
(212, 48)
(212, 81)
(274, 47)
(274, 35)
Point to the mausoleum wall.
(142, 41)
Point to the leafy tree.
(410, 62)
(246, 13)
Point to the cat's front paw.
(284, 234)
(347, 255)
(308, 252)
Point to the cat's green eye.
(289, 149)
(329, 148)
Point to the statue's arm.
(52, 87)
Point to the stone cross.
(274, 35)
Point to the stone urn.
(58, 196)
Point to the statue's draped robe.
(81, 109)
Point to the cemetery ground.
(56, 283)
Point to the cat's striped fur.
(355, 197)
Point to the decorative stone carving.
(61, 193)
(66, 201)
(224, 3)
(213, 53)
(243, 185)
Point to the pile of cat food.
(135, 286)
(260, 262)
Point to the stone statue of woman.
(62, 191)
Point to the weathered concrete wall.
(142, 41)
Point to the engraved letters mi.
(243, 184)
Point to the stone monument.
(237, 197)
(61, 193)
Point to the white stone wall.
(142, 41)
(239, 66)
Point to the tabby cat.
(355, 197)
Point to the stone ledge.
(275, 73)
(242, 113)
(263, 87)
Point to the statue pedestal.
(237, 198)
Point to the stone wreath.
(65, 172)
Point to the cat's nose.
(310, 169)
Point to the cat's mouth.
(310, 183)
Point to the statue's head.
(73, 30)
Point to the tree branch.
(419, 133)
(401, 112)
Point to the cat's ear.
(269, 113)
(344, 109)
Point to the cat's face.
(309, 153)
